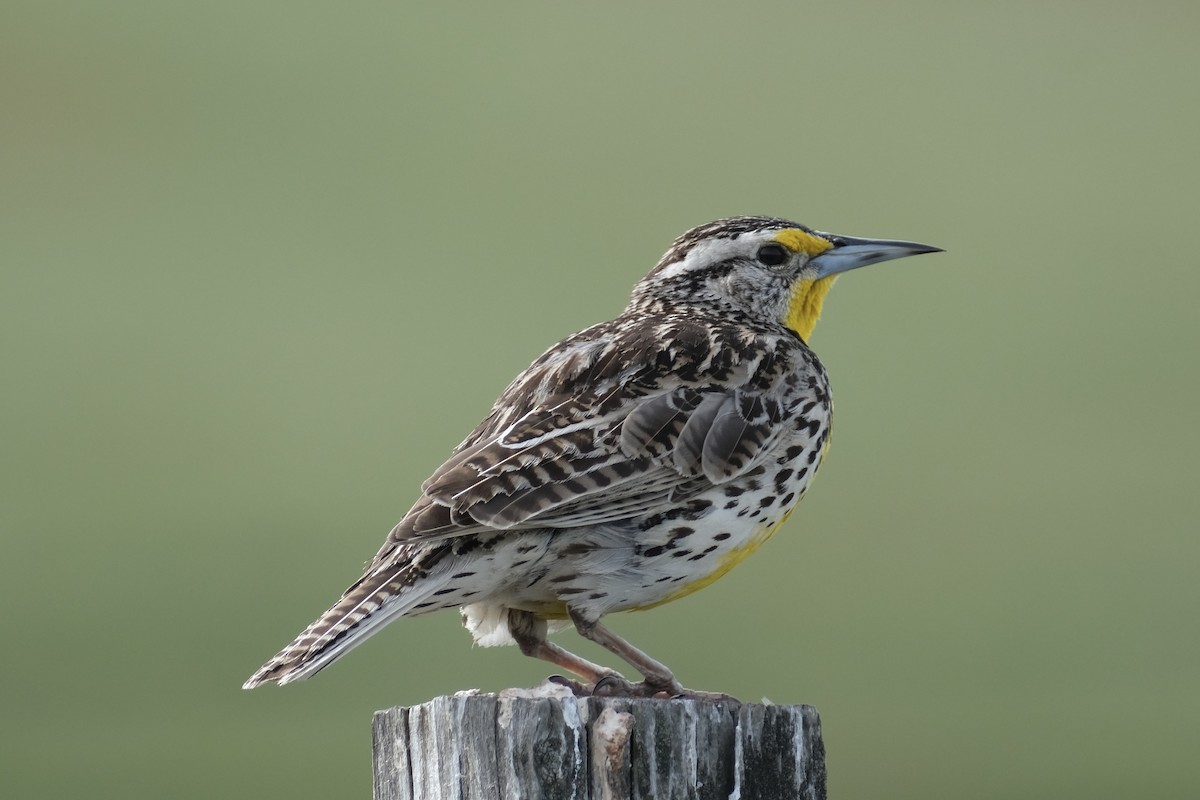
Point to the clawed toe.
(578, 689)
(613, 686)
(608, 686)
(674, 691)
(707, 697)
(617, 686)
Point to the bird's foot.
(619, 687)
(705, 697)
(671, 689)
(578, 689)
(616, 686)
(607, 686)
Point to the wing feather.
(609, 425)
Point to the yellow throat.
(805, 307)
(807, 294)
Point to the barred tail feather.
(375, 600)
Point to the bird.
(631, 464)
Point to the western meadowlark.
(631, 464)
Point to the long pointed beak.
(850, 253)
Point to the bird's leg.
(529, 631)
(658, 678)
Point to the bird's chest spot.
(681, 559)
(683, 572)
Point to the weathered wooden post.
(547, 743)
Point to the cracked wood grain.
(546, 743)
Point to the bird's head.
(766, 268)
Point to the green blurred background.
(263, 264)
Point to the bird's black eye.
(772, 254)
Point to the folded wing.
(585, 447)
